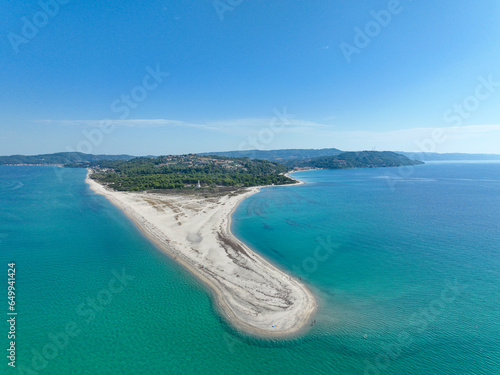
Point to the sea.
(404, 263)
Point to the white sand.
(252, 293)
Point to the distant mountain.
(60, 158)
(282, 156)
(279, 156)
(433, 156)
(287, 156)
(361, 159)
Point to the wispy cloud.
(137, 123)
(303, 134)
(473, 138)
(230, 126)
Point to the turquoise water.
(405, 264)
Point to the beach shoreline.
(255, 296)
(297, 181)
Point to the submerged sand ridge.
(252, 293)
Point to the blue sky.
(168, 77)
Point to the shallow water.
(405, 264)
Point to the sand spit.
(254, 295)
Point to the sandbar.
(253, 295)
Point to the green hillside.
(361, 159)
(185, 171)
(280, 156)
(60, 158)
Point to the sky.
(173, 77)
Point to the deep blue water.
(405, 264)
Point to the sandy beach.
(255, 296)
(297, 181)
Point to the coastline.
(254, 295)
(297, 181)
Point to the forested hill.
(60, 158)
(361, 159)
(185, 171)
(280, 156)
(287, 156)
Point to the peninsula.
(194, 228)
(184, 204)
